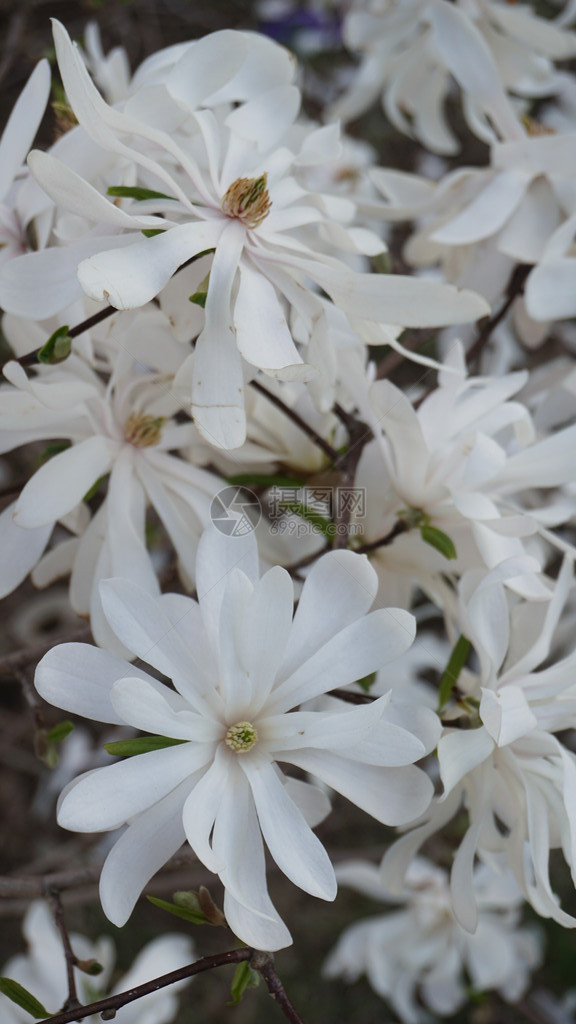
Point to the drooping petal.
(21, 549)
(293, 845)
(154, 837)
(134, 275)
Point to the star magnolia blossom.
(241, 666)
(421, 951)
(125, 430)
(516, 778)
(42, 970)
(231, 189)
(410, 50)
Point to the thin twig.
(514, 289)
(12, 664)
(264, 964)
(359, 435)
(352, 697)
(382, 542)
(207, 963)
(292, 415)
(53, 897)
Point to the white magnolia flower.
(241, 666)
(232, 190)
(420, 954)
(42, 970)
(506, 763)
(125, 430)
(409, 51)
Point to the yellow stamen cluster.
(535, 129)
(142, 430)
(248, 200)
(241, 737)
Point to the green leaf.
(382, 263)
(324, 526)
(91, 967)
(451, 673)
(22, 997)
(199, 299)
(367, 682)
(53, 449)
(133, 192)
(264, 480)
(439, 540)
(57, 348)
(139, 745)
(94, 489)
(195, 917)
(60, 731)
(244, 977)
(150, 232)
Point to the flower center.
(142, 430)
(535, 129)
(248, 200)
(241, 737)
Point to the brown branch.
(53, 896)
(13, 664)
(264, 964)
(115, 1002)
(293, 415)
(373, 545)
(352, 697)
(347, 463)
(515, 288)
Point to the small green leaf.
(324, 526)
(264, 480)
(139, 745)
(199, 299)
(382, 263)
(94, 489)
(60, 731)
(451, 673)
(22, 997)
(195, 917)
(91, 967)
(439, 540)
(367, 682)
(133, 192)
(57, 348)
(244, 977)
(150, 232)
(53, 449)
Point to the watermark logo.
(235, 511)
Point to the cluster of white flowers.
(196, 293)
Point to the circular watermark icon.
(235, 511)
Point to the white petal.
(79, 677)
(142, 849)
(149, 709)
(488, 212)
(20, 549)
(23, 124)
(293, 845)
(265, 119)
(356, 651)
(460, 752)
(202, 807)
(217, 555)
(262, 334)
(61, 483)
(108, 797)
(394, 796)
(506, 714)
(266, 625)
(134, 275)
(551, 290)
(352, 584)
